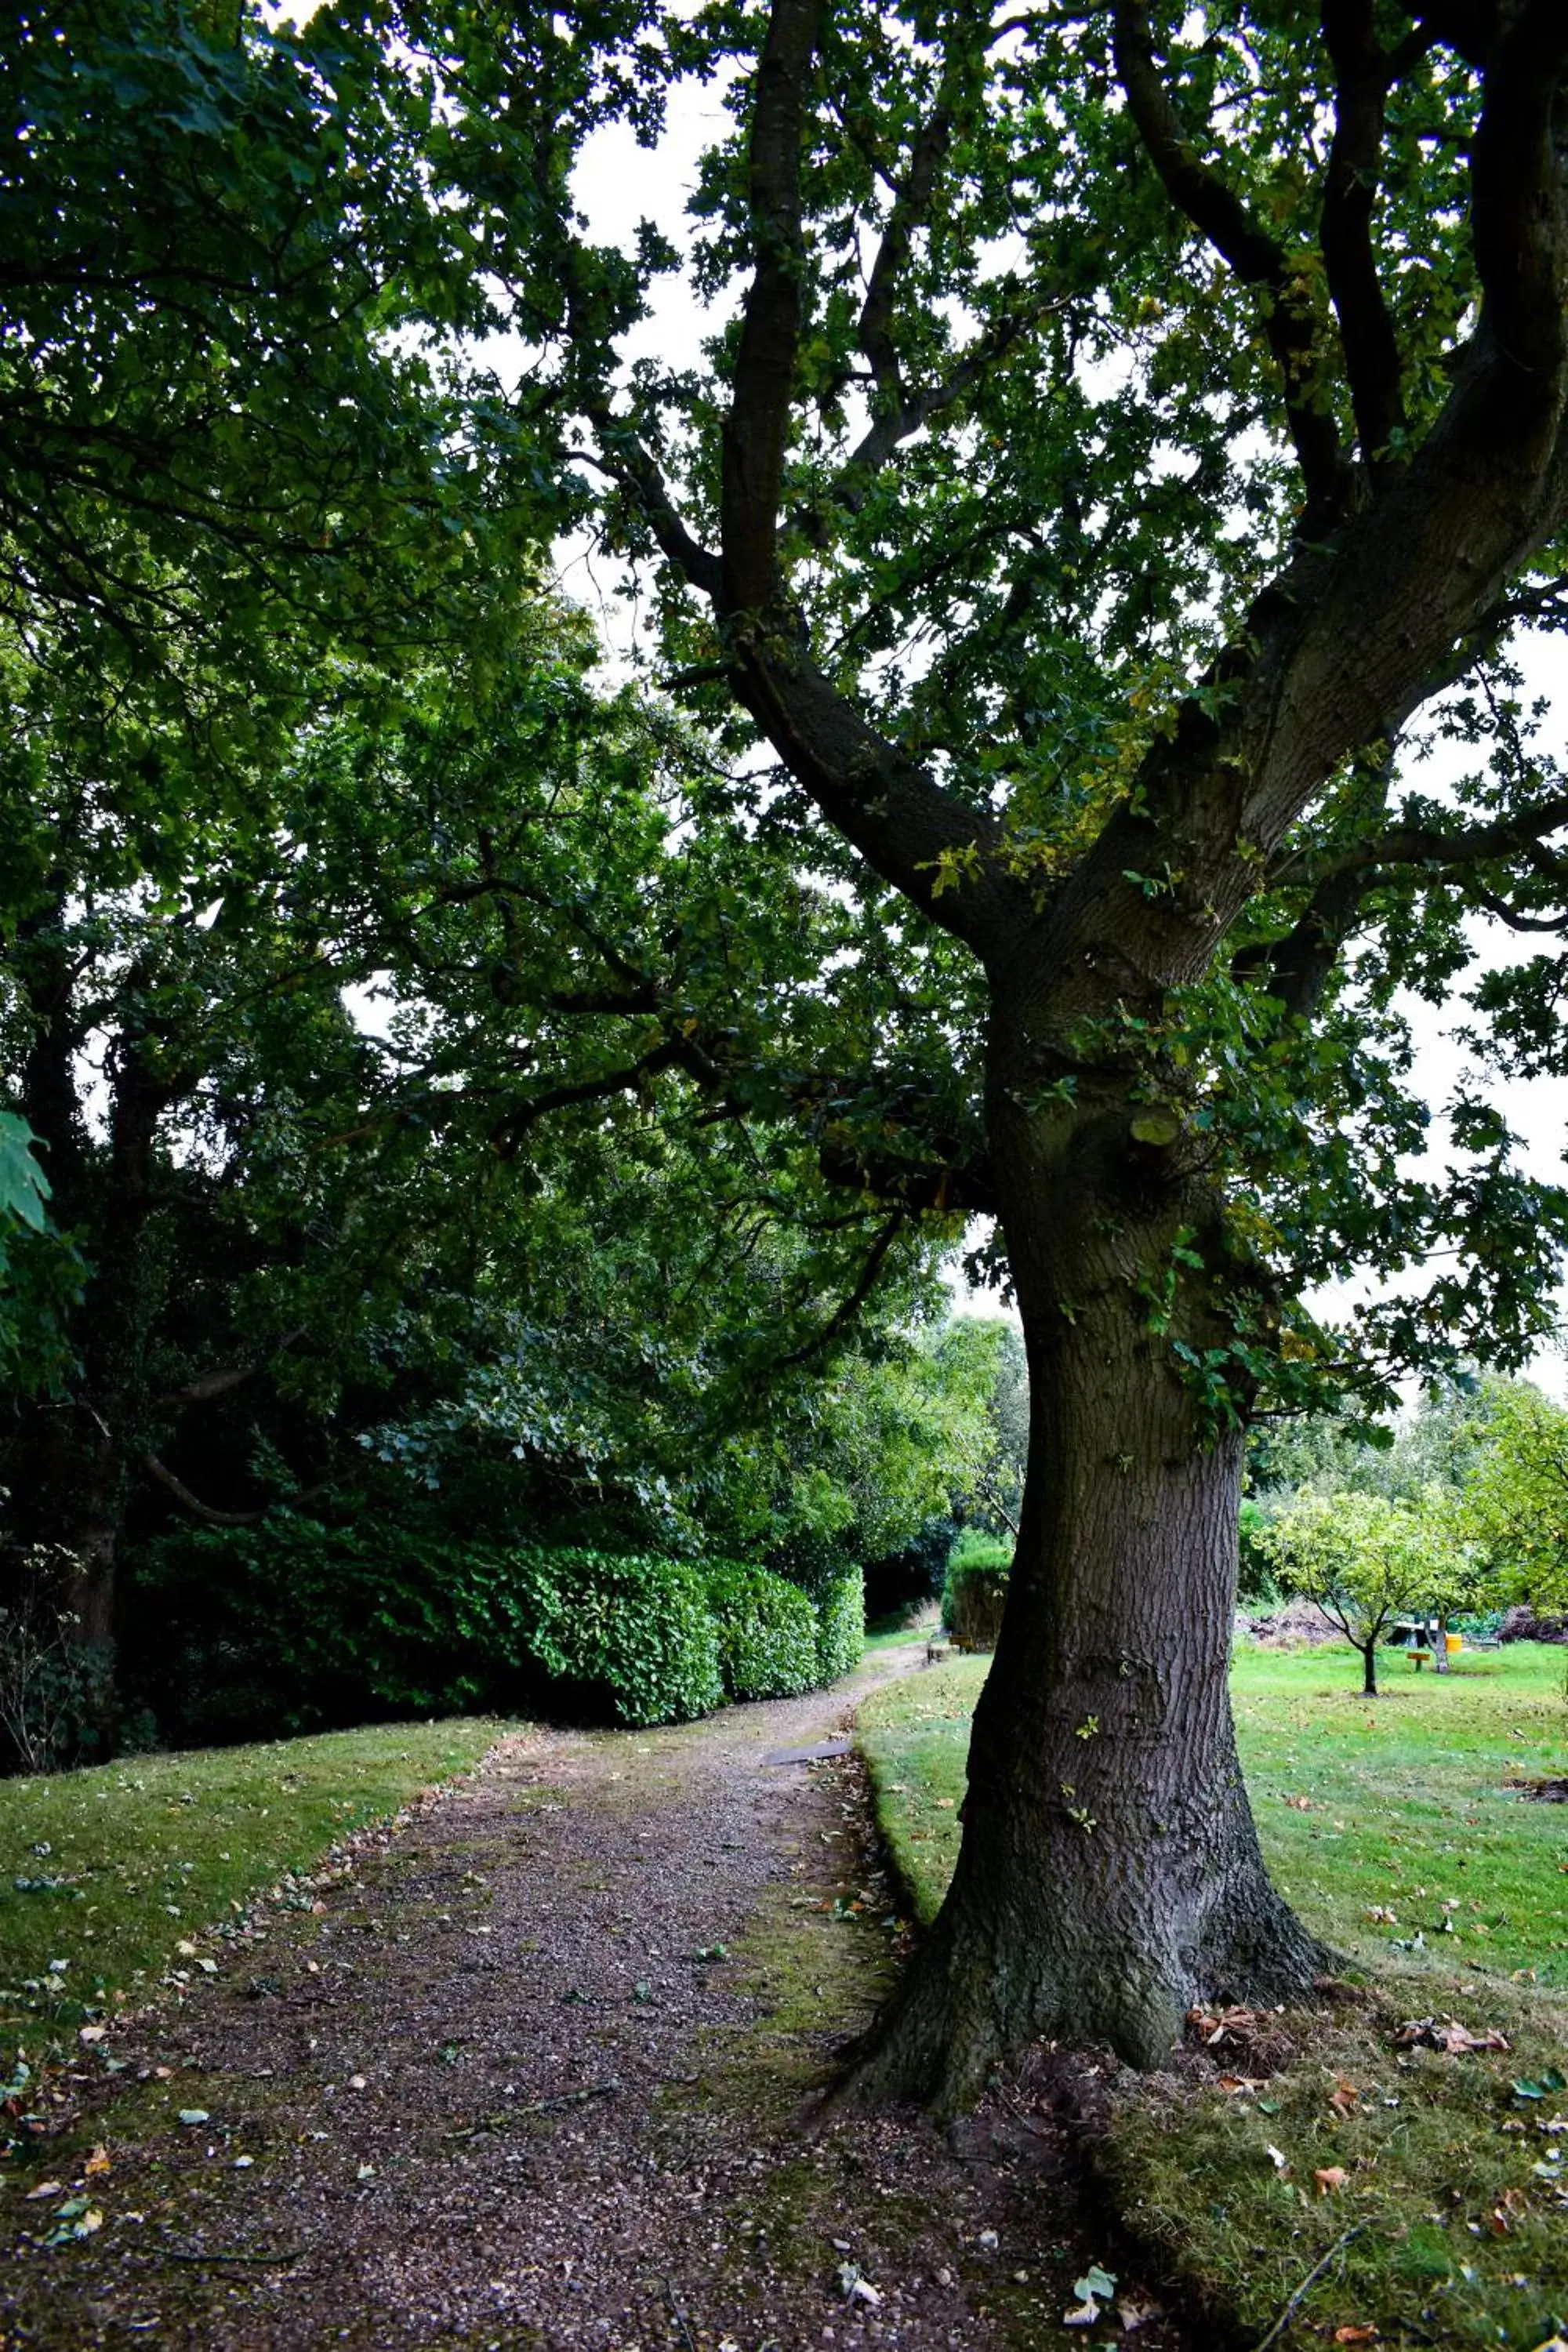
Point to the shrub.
(973, 1598)
(630, 1627)
(767, 1631)
(840, 1626)
(291, 1626)
(975, 1549)
(57, 1693)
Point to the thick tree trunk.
(1110, 1874)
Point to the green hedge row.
(767, 1631)
(293, 1626)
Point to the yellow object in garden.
(1452, 1642)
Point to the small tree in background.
(1365, 1562)
(1515, 1500)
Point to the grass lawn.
(1391, 1826)
(111, 1876)
(904, 1626)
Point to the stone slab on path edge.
(814, 1754)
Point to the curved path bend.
(542, 2075)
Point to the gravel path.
(545, 2074)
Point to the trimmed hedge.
(767, 1631)
(840, 1626)
(293, 1625)
(631, 1626)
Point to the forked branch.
(1257, 258)
(1373, 362)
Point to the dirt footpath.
(545, 2074)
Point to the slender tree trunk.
(1369, 1669)
(78, 1467)
(1110, 1874)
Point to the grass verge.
(110, 1878)
(1426, 2186)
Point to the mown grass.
(901, 1627)
(1444, 2215)
(104, 1873)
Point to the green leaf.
(24, 1187)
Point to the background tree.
(1365, 1562)
(1123, 421)
(436, 1184)
(1515, 1497)
(997, 1494)
(234, 454)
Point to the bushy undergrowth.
(767, 1631)
(293, 1626)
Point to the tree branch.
(626, 462)
(1299, 963)
(208, 1516)
(911, 207)
(848, 1308)
(914, 410)
(1257, 258)
(1517, 835)
(1517, 209)
(756, 427)
(1366, 330)
(942, 854)
(682, 1053)
(206, 1387)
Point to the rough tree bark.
(1110, 1872)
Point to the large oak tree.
(1119, 422)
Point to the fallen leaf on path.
(97, 2162)
(1367, 2335)
(1134, 2316)
(46, 2189)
